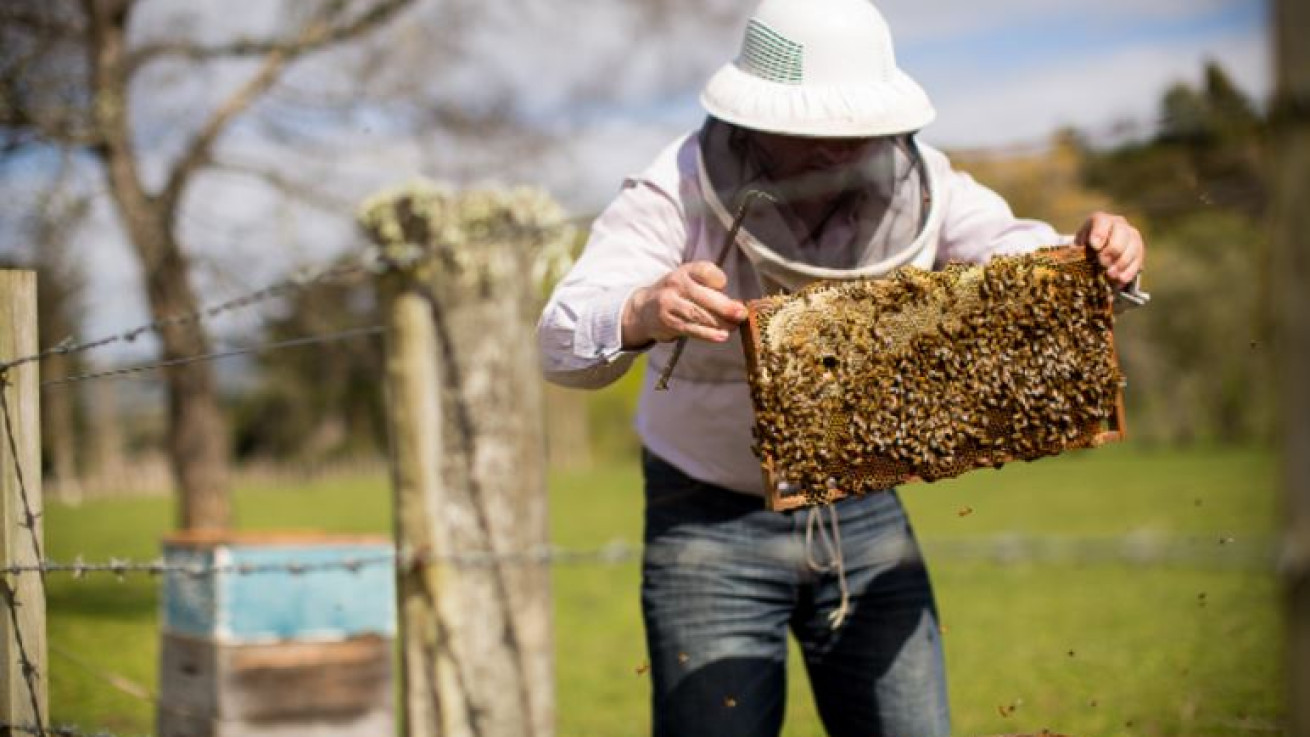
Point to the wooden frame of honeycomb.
(862, 385)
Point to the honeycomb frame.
(875, 369)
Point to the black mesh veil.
(868, 212)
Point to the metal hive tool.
(863, 385)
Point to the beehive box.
(279, 586)
(284, 635)
(863, 385)
(283, 689)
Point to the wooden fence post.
(414, 409)
(1290, 25)
(465, 407)
(22, 604)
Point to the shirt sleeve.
(640, 237)
(977, 223)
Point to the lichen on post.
(424, 226)
(461, 275)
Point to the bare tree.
(68, 74)
(1292, 61)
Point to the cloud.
(1092, 93)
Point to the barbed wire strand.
(56, 730)
(30, 674)
(29, 517)
(262, 348)
(1256, 553)
(302, 281)
(28, 669)
(612, 553)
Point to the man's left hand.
(1118, 246)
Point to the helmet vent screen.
(770, 55)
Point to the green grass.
(1084, 648)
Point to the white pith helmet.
(818, 68)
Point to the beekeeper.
(815, 118)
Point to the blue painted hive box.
(271, 587)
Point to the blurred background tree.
(1197, 358)
(1207, 152)
(60, 309)
(62, 280)
(316, 405)
(69, 73)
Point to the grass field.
(1080, 644)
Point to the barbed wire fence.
(371, 264)
(29, 667)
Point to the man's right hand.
(688, 301)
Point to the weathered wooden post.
(459, 293)
(1292, 246)
(23, 671)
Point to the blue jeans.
(724, 579)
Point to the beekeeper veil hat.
(822, 68)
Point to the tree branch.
(32, 71)
(40, 22)
(64, 128)
(316, 35)
(23, 116)
(106, 41)
(246, 47)
(198, 153)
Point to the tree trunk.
(1291, 231)
(197, 433)
(198, 444)
(59, 429)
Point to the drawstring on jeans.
(832, 542)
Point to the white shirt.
(702, 423)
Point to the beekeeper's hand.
(1119, 246)
(688, 301)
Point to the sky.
(1010, 72)
(1014, 70)
(1003, 74)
